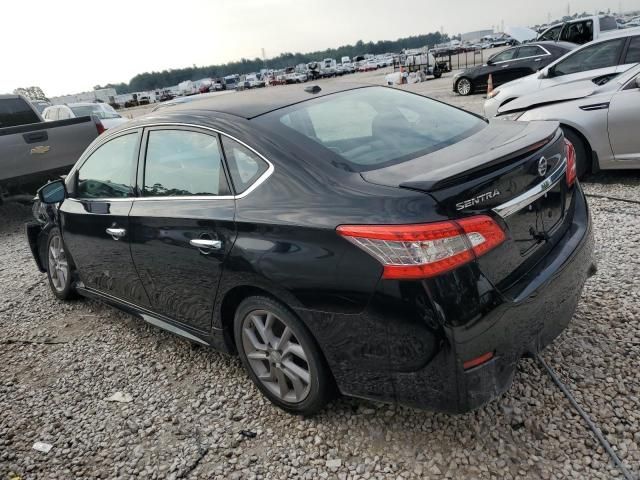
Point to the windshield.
(369, 128)
(103, 112)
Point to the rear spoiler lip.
(432, 185)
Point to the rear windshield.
(15, 111)
(370, 128)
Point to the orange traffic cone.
(489, 85)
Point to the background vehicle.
(581, 30)
(40, 105)
(106, 113)
(607, 56)
(309, 263)
(599, 118)
(32, 151)
(509, 64)
(190, 98)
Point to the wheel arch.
(594, 164)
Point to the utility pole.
(264, 58)
(568, 9)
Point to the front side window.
(504, 56)
(371, 127)
(245, 166)
(600, 55)
(108, 172)
(551, 34)
(633, 52)
(530, 51)
(578, 32)
(183, 163)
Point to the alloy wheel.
(58, 264)
(464, 86)
(276, 356)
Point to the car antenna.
(312, 89)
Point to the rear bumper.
(409, 345)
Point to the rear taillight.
(571, 162)
(425, 250)
(99, 126)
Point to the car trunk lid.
(513, 172)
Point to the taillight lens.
(100, 126)
(571, 162)
(425, 250)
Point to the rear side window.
(530, 51)
(16, 111)
(245, 166)
(183, 163)
(578, 32)
(633, 53)
(107, 173)
(608, 23)
(600, 55)
(372, 127)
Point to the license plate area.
(535, 223)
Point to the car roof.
(252, 103)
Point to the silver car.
(600, 117)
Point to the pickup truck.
(33, 151)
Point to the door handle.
(505, 66)
(116, 233)
(206, 244)
(537, 59)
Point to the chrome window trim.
(547, 53)
(516, 204)
(261, 179)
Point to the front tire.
(281, 357)
(58, 267)
(464, 86)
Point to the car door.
(501, 65)
(182, 223)
(94, 219)
(588, 62)
(528, 60)
(623, 117)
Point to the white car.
(598, 117)
(580, 30)
(105, 113)
(612, 55)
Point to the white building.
(106, 95)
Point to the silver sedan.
(601, 117)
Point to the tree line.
(154, 80)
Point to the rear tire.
(464, 86)
(281, 357)
(59, 267)
(583, 152)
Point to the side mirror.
(638, 81)
(490, 62)
(53, 192)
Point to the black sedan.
(353, 239)
(509, 64)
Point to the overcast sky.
(67, 46)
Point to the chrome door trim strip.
(516, 204)
(267, 173)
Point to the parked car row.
(593, 91)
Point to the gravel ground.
(189, 405)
